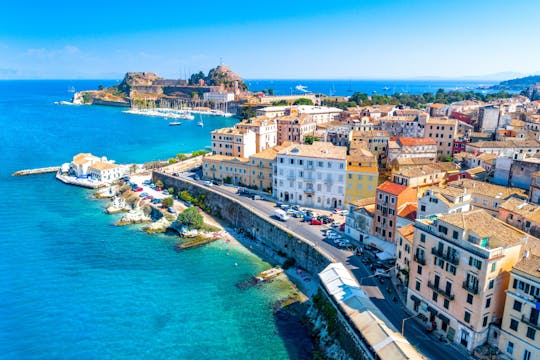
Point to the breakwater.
(271, 233)
(45, 170)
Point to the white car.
(208, 183)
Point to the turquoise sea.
(72, 286)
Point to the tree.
(191, 218)
(194, 79)
(309, 139)
(247, 112)
(159, 183)
(100, 87)
(181, 157)
(271, 92)
(303, 101)
(167, 202)
(171, 190)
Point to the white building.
(81, 162)
(311, 175)
(218, 97)
(448, 200)
(106, 172)
(319, 114)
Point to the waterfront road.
(383, 294)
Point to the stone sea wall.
(240, 215)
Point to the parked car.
(139, 189)
(298, 214)
(307, 218)
(158, 188)
(141, 195)
(295, 207)
(156, 201)
(208, 183)
(171, 210)
(256, 197)
(316, 222)
(147, 182)
(165, 192)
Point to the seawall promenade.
(45, 170)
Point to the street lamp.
(403, 323)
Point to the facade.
(443, 131)
(439, 200)
(233, 142)
(311, 175)
(488, 119)
(294, 128)
(403, 126)
(419, 177)
(459, 273)
(487, 196)
(404, 246)
(339, 135)
(534, 190)
(520, 328)
(218, 97)
(362, 175)
(521, 215)
(265, 131)
(106, 172)
(376, 141)
(412, 148)
(262, 167)
(317, 114)
(359, 220)
(81, 162)
(522, 170)
(507, 147)
(389, 199)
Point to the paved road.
(382, 294)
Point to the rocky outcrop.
(223, 76)
(135, 79)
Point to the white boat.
(175, 123)
(71, 89)
(386, 88)
(200, 123)
(302, 88)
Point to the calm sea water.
(72, 286)
(347, 88)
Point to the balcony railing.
(528, 321)
(440, 291)
(420, 260)
(473, 289)
(451, 259)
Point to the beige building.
(376, 141)
(460, 272)
(442, 131)
(262, 168)
(521, 214)
(407, 147)
(265, 131)
(362, 175)
(519, 335)
(487, 196)
(419, 177)
(233, 142)
(404, 246)
(294, 128)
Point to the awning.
(382, 245)
(385, 255)
(443, 318)
(415, 299)
(432, 310)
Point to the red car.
(316, 222)
(158, 188)
(139, 189)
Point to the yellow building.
(519, 333)
(262, 168)
(362, 175)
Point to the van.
(281, 214)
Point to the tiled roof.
(408, 210)
(484, 188)
(530, 265)
(407, 232)
(319, 149)
(408, 141)
(103, 166)
(391, 188)
(527, 210)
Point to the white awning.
(382, 245)
(385, 255)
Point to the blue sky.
(270, 39)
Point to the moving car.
(281, 214)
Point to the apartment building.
(265, 130)
(362, 175)
(521, 214)
(419, 177)
(462, 303)
(443, 131)
(317, 114)
(403, 126)
(443, 200)
(404, 246)
(519, 333)
(294, 128)
(405, 147)
(359, 220)
(487, 196)
(376, 141)
(488, 119)
(311, 175)
(233, 142)
(389, 199)
(534, 190)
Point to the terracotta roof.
(408, 210)
(364, 202)
(527, 210)
(487, 189)
(407, 232)
(269, 153)
(437, 105)
(482, 225)
(224, 158)
(391, 188)
(83, 158)
(529, 265)
(319, 149)
(408, 141)
(103, 166)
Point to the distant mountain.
(495, 76)
(518, 83)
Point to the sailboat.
(200, 123)
(71, 89)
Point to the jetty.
(45, 170)
(260, 278)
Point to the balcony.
(528, 321)
(473, 289)
(309, 191)
(440, 291)
(420, 260)
(451, 259)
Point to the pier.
(45, 170)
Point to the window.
(510, 347)
(475, 262)
(517, 305)
(443, 229)
(514, 324)
(423, 238)
(526, 355)
(455, 234)
(493, 266)
(446, 304)
(467, 316)
(491, 283)
(419, 270)
(531, 333)
(418, 284)
(435, 296)
(488, 302)
(470, 298)
(484, 321)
